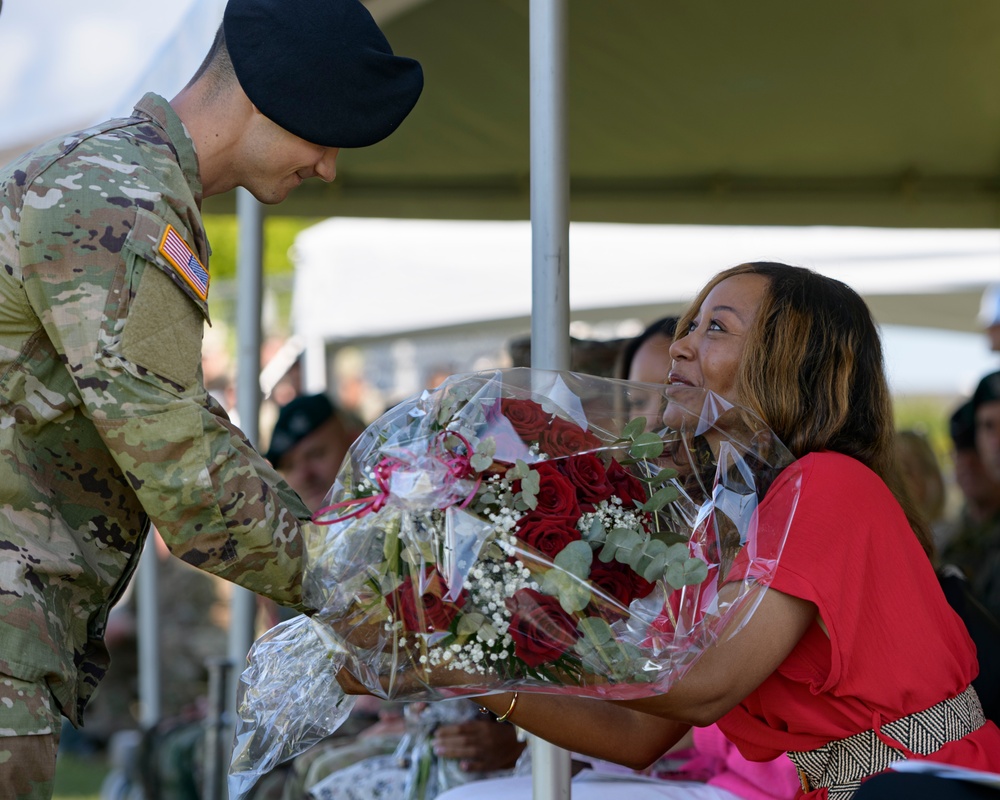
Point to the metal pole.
(550, 346)
(218, 726)
(249, 277)
(148, 633)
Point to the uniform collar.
(160, 112)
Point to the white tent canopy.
(365, 278)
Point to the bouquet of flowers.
(535, 529)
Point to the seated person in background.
(308, 444)
(921, 475)
(448, 743)
(921, 472)
(974, 546)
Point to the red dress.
(895, 646)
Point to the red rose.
(614, 581)
(587, 474)
(556, 495)
(563, 438)
(640, 586)
(541, 630)
(546, 534)
(626, 486)
(526, 416)
(421, 605)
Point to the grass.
(79, 777)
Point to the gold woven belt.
(841, 765)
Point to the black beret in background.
(962, 427)
(320, 69)
(296, 420)
(987, 391)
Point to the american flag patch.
(181, 257)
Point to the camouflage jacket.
(105, 424)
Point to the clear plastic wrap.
(520, 528)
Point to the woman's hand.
(350, 684)
(480, 745)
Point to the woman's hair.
(664, 326)
(812, 369)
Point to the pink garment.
(715, 761)
(751, 780)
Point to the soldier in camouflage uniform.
(105, 424)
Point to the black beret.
(987, 391)
(962, 427)
(296, 420)
(320, 69)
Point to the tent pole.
(249, 277)
(148, 633)
(549, 264)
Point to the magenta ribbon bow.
(458, 466)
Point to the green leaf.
(595, 630)
(518, 471)
(522, 503)
(574, 595)
(596, 533)
(662, 476)
(686, 573)
(661, 498)
(619, 541)
(481, 462)
(575, 558)
(646, 446)
(634, 428)
(469, 623)
(531, 482)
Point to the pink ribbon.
(457, 466)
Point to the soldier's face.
(277, 161)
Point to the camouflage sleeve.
(130, 335)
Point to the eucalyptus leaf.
(531, 482)
(595, 629)
(677, 552)
(661, 498)
(575, 558)
(573, 595)
(654, 569)
(662, 476)
(481, 462)
(469, 623)
(686, 573)
(595, 534)
(634, 428)
(620, 540)
(518, 471)
(646, 446)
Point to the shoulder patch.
(182, 258)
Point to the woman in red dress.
(853, 659)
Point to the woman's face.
(650, 364)
(651, 361)
(708, 357)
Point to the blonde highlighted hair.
(812, 369)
